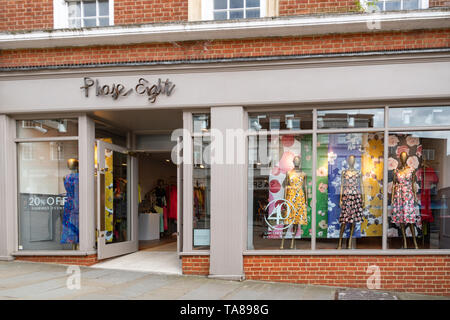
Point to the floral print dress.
(403, 209)
(352, 202)
(296, 197)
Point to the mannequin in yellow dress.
(296, 193)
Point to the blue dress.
(71, 210)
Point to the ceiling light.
(41, 129)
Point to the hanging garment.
(296, 197)
(352, 203)
(403, 210)
(70, 217)
(173, 202)
(166, 218)
(428, 178)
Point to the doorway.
(152, 242)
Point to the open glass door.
(180, 184)
(116, 218)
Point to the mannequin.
(404, 198)
(70, 225)
(296, 193)
(351, 200)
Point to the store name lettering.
(143, 87)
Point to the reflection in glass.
(419, 116)
(392, 5)
(47, 128)
(252, 3)
(220, 4)
(350, 118)
(237, 14)
(236, 4)
(117, 211)
(89, 8)
(103, 8)
(279, 192)
(201, 122)
(252, 13)
(48, 190)
(201, 177)
(349, 194)
(295, 120)
(418, 190)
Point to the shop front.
(328, 170)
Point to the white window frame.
(423, 4)
(208, 9)
(61, 13)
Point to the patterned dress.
(296, 197)
(403, 210)
(352, 202)
(69, 232)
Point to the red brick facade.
(26, 15)
(196, 265)
(149, 11)
(418, 274)
(228, 48)
(301, 7)
(71, 260)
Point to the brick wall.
(419, 274)
(71, 260)
(301, 7)
(439, 3)
(227, 48)
(195, 265)
(149, 11)
(26, 15)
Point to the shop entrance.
(138, 191)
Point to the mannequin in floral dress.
(404, 198)
(351, 200)
(296, 194)
(69, 233)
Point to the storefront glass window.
(349, 183)
(279, 191)
(48, 194)
(47, 128)
(419, 189)
(419, 116)
(201, 123)
(202, 192)
(351, 118)
(295, 120)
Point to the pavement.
(28, 280)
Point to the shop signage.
(143, 87)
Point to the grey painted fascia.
(235, 29)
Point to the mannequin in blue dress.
(70, 231)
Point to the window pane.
(252, 13)
(103, 8)
(252, 3)
(221, 15)
(91, 22)
(392, 5)
(237, 14)
(296, 120)
(89, 8)
(419, 116)
(349, 190)
(74, 9)
(220, 4)
(279, 192)
(419, 183)
(103, 22)
(202, 193)
(410, 4)
(74, 23)
(236, 4)
(46, 128)
(202, 122)
(48, 195)
(350, 118)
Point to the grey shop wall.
(155, 142)
(348, 80)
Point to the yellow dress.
(296, 199)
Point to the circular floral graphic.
(323, 187)
(287, 141)
(413, 162)
(412, 141)
(401, 149)
(322, 172)
(392, 164)
(393, 141)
